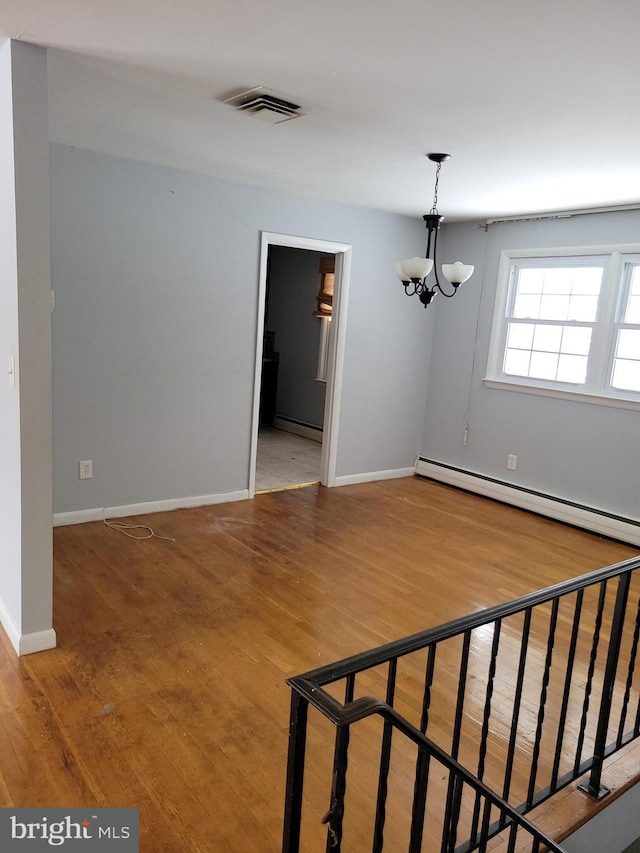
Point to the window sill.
(538, 390)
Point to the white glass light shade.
(457, 273)
(398, 269)
(417, 267)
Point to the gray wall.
(156, 276)
(25, 334)
(578, 451)
(10, 496)
(294, 280)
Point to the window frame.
(627, 262)
(612, 299)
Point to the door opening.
(300, 337)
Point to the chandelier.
(413, 272)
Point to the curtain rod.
(562, 214)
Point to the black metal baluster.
(630, 673)
(513, 837)
(543, 700)
(567, 687)
(589, 682)
(455, 743)
(484, 829)
(484, 736)
(452, 815)
(385, 759)
(517, 701)
(422, 762)
(335, 815)
(295, 774)
(593, 786)
(462, 682)
(428, 682)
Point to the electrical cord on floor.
(122, 527)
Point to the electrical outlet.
(86, 470)
(512, 462)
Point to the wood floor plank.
(167, 691)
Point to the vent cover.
(264, 104)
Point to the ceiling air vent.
(264, 104)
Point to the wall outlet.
(86, 470)
(512, 462)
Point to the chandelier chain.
(434, 209)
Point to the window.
(625, 373)
(568, 323)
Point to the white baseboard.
(596, 521)
(38, 641)
(26, 644)
(306, 431)
(81, 516)
(372, 476)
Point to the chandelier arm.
(435, 256)
(435, 268)
(444, 292)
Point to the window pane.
(544, 365)
(557, 293)
(520, 336)
(526, 307)
(558, 281)
(530, 281)
(626, 375)
(546, 351)
(587, 281)
(572, 368)
(516, 362)
(628, 344)
(554, 307)
(632, 314)
(576, 340)
(547, 338)
(583, 308)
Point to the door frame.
(337, 337)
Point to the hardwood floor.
(167, 691)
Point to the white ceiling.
(538, 102)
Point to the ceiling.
(536, 101)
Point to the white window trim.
(616, 255)
(540, 391)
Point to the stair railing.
(543, 690)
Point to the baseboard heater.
(298, 428)
(570, 512)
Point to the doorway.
(299, 357)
